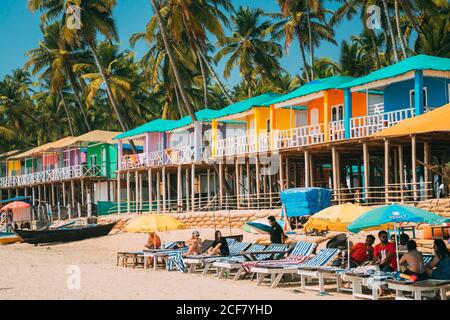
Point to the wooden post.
(281, 172)
(199, 187)
(187, 189)
(45, 193)
(287, 173)
(395, 162)
(150, 190)
(136, 190)
(400, 174)
(386, 170)
(193, 186)
(163, 173)
(128, 193)
(118, 193)
(311, 170)
(169, 193)
(414, 165)
(141, 200)
(179, 188)
(39, 195)
(208, 183)
(82, 192)
(307, 171)
(366, 163)
(336, 187)
(270, 190)
(221, 184)
(258, 179)
(158, 190)
(426, 171)
(33, 196)
(248, 181)
(236, 177)
(72, 190)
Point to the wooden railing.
(298, 137)
(368, 125)
(243, 145)
(58, 174)
(337, 130)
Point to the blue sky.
(20, 32)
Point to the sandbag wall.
(438, 206)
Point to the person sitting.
(362, 252)
(439, 267)
(194, 244)
(384, 254)
(392, 239)
(276, 232)
(219, 246)
(411, 262)
(403, 243)
(153, 242)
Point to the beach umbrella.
(335, 218)
(16, 205)
(261, 226)
(153, 223)
(393, 214)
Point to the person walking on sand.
(194, 244)
(219, 246)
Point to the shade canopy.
(313, 87)
(437, 120)
(16, 205)
(393, 213)
(154, 223)
(335, 218)
(419, 62)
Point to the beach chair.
(277, 270)
(206, 261)
(419, 289)
(175, 260)
(254, 253)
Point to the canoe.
(65, 234)
(8, 237)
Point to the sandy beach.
(42, 272)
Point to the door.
(314, 116)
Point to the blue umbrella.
(393, 213)
(262, 227)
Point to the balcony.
(298, 137)
(368, 125)
(242, 145)
(58, 174)
(337, 130)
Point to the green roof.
(295, 107)
(313, 87)
(158, 125)
(419, 62)
(204, 115)
(234, 121)
(245, 105)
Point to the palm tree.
(249, 49)
(435, 38)
(53, 55)
(354, 61)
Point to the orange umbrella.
(16, 205)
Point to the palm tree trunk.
(311, 49)
(205, 82)
(391, 31)
(302, 51)
(249, 85)
(399, 30)
(214, 74)
(173, 63)
(67, 113)
(178, 102)
(77, 97)
(375, 49)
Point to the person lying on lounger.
(411, 262)
(439, 267)
(219, 246)
(194, 244)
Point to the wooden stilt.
(208, 183)
(281, 173)
(82, 192)
(169, 193)
(119, 211)
(52, 186)
(258, 179)
(221, 184)
(45, 193)
(141, 200)
(128, 194)
(158, 190)
(179, 188)
(199, 187)
(188, 194)
(150, 190)
(400, 173)
(386, 170)
(193, 186)
(395, 163)
(311, 170)
(426, 171)
(72, 190)
(33, 196)
(288, 182)
(164, 192)
(414, 165)
(236, 177)
(336, 187)
(247, 165)
(39, 195)
(136, 190)
(366, 163)
(307, 171)
(270, 190)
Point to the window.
(337, 113)
(412, 100)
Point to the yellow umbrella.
(153, 223)
(335, 218)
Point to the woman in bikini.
(411, 262)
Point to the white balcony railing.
(298, 137)
(337, 130)
(243, 145)
(368, 125)
(58, 174)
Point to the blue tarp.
(24, 199)
(305, 201)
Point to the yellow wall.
(14, 165)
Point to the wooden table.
(419, 288)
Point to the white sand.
(40, 272)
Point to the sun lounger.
(175, 259)
(374, 282)
(277, 270)
(254, 253)
(206, 261)
(419, 289)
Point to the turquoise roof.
(313, 87)
(245, 105)
(204, 115)
(295, 107)
(419, 62)
(158, 125)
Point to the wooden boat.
(8, 237)
(65, 234)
